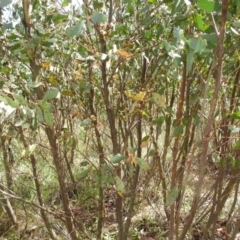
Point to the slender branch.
(208, 127)
(12, 195)
(215, 25)
(110, 13)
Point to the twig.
(27, 202)
(214, 24)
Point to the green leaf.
(142, 164)
(148, 34)
(98, 17)
(178, 131)
(35, 4)
(5, 69)
(131, 149)
(172, 195)
(198, 45)
(97, 5)
(145, 138)
(47, 112)
(82, 85)
(236, 115)
(237, 145)
(4, 3)
(65, 3)
(190, 59)
(76, 30)
(194, 98)
(117, 158)
(57, 18)
(147, 20)
(237, 163)
(48, 117)
(39, 114)
(19, 98)
(83, 174)
(199, 22)
(119, 186)
(105, 179)
(50, 94)
(159, 121)
(175, 6)
(152, 152)
(12, 103)
(211, 38)
(206, 5)
(107, 167)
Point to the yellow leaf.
(120, 193)
(67, 92)
(129, 82)
(134, 160)
(144, 144)
(138, 97)
(159, 100)
(123, 54)
(143, 113)
(52, 80)
(46, 64)
(78, 73)
(128, 94)
(93, 118)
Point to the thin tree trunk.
(98, 133)
(176, 150)
(7, 162)
(208, 128)
(51, 134)
(38, 186)
(135, 181)
(113, 130)
(58, 162)
(6, 204)
(139, 155)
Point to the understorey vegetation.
(119, 119)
